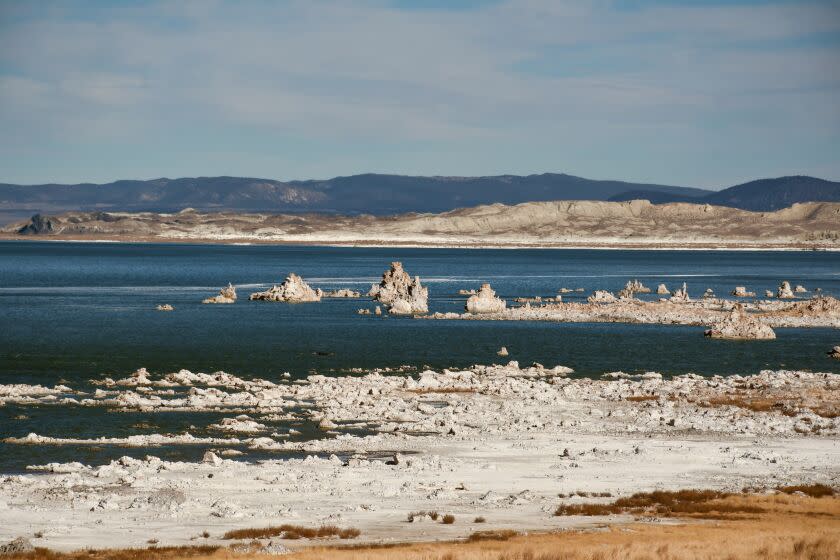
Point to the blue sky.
(693, 93)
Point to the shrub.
(663, 503)
(812, 490)
(499, 535)
(293, 532)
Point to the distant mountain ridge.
(762, 195)
(369, 193)
(381, 194)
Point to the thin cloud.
(434, 81)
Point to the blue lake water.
(71, 312)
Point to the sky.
(692, 93)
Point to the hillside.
(370, 193)
(761, 195)
(545, 224)
(387, 194)
(772, 194)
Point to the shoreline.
(443, 244)
(507, 443)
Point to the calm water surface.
(72, 312)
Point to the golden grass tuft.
(812, 490)
(293, 532)
(695, 503)
(497, 535)
(151, 553)
(825, 403)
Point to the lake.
(71, 312)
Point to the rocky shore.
(497, 441)
(751, 321)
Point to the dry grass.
(497, 535)
(151, 553)
(756, 404)
(822, 402)
(812, 490)
(693, 503)
(293, 532)
(791, 526)
(642, 398)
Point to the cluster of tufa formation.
(739, 325)
(632, 288)
(292, 290)
(601, 296)
(741, 291)
(485, 301)
(663, 290)
(681, 295)
(785, 292)
(226, 295)
(400, 293)
(342, 293)
(165, 307)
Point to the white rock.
(741, 291)
(226, 295)
(739, 325)
(601, 296)
(292, 290)
(485, 301)
(784, 291)
(402, 294)
(681, 295)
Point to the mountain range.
(380, 194)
